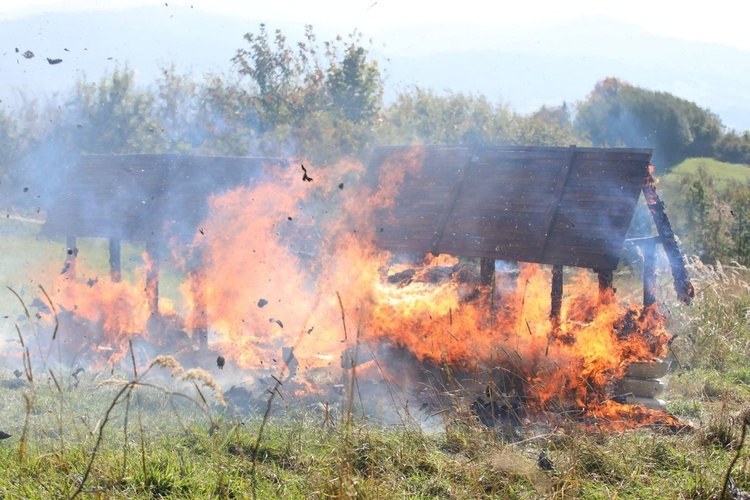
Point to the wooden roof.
(144, 197)
(550, 205)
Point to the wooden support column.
(648, 246)
(606, 289)
(198, 288)
(71, 254)
(152, 278)
(115, 266)
(556, 296)
(682, 284)
(487, 272)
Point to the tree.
(734, 147)
(114, 116)
(548, 126)
(617, 114)
(322, 100)
(421, 115)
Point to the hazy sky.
(718, 21)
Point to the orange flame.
(286, 262)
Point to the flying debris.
(262, 302)
(341, 186)
(75, 376)
(65, 268)
(17, 373)
(28, 54)
(15, 383)
(273, 320)
(54, 61)
(544, 462)
(5, 435)
(290, 360)
(305, 177)
(220, 362)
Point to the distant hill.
(523, 68)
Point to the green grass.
(157, 443)
(720, 171)
(171, 453)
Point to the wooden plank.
(446, 212)
(562, 180)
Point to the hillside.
(718, 170)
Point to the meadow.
(161, 431)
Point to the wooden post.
(69, 268)
(556, 295)
(606, 290)
(198, 287)
(648, 247)
(682, 284)
(152, 278)
(115, 267)
(486, 271)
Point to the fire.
(285, 263)
(119, 311)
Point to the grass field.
(120, 434)
(720, 171)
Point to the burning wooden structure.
(548, 205)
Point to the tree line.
(324, 101)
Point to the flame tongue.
(287, 263)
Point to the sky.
(718, 21)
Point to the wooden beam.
(152, 278)
(115, 265)
(682, 284)
(606, 289)
(448, 208)
(487, 272)
(562, 179)
(556, 296)
(198, 291)
(649, 272)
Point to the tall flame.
(289, 261)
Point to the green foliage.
(715, 333)
(617, 114)
(323, 98)
(423, 116)
(734, 147)
(115, 116)
(710, 212)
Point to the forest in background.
(323, 101)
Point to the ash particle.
(274, 320)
